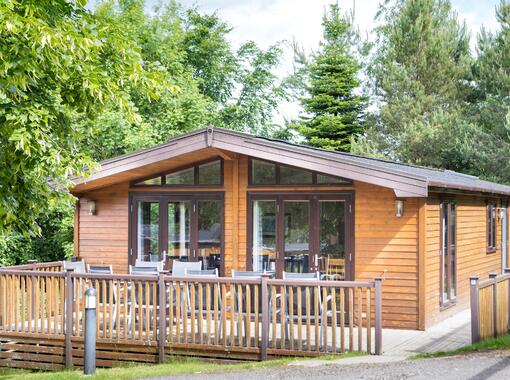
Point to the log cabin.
(240, 202)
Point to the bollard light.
(89, 365)
(90, 298)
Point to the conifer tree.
(334, 111)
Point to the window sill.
(491, 250)
(447, 305)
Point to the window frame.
(491, 227)
(448, 302)
(278, 183)
(162, 175)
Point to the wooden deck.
(145, 318)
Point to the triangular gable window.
(208, 173)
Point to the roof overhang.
(117, 169)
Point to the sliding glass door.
(185, 227)
(301, 233)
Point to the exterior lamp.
(399, 208)
(501, 213)
(92, 207)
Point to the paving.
(494, 366)
(398, 345)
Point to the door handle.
(316, 260)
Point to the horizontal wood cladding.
(387, 245)
(103, 237)
(472, 257)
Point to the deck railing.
(490, 306)
(216, 317)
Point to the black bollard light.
(89, 367)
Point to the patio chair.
(76, 266)
(105, 269)
(179, 267)
(159, 265)
(79, 268)
(304, 277)
(334, 268)
(143, 271)
(248, 275)
(205, 273)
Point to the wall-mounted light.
(501, 213)
(399, 208)
(92, 207)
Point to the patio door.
(185, 227)
(301, 233)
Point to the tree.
(420, 70)
(57, 62)
(490, 101)
(334, 111)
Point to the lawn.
(174, 366)
(501, 343)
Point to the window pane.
(151, 181)
(178, 230)
(264, 236)
(322, 178)
(444, 250)
(296, 235)
(148, 230)
(209, 234)
(263, 172)
(182, 177)
(289, 175)
(453, 259)
(210, 173)
(332, 240)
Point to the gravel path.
(493, 365)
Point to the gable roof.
(405, 180)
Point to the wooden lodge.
(239, 202)
(223, 244)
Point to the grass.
(501, 343)
(174, 366)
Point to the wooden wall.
(103, 238)
(384, 244)
(387, 245)
(472, 257)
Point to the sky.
(269, 21)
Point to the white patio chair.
(159, 265)
(143, 271)
(105, 269)
(312, 277)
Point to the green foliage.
(55, 242)
(334, 111)
(419, 68)
(57, 62)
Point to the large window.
(301, 233)
(208, 173)
(265, 173)
(491, 227)
(448, 253)
(185, 227)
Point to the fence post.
(475, 309)
(507, 271)
(493, 277)
(68, 318)
(378, 315)
(162, 318)
(265, 317)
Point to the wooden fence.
(145, 318)
(490, 306)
